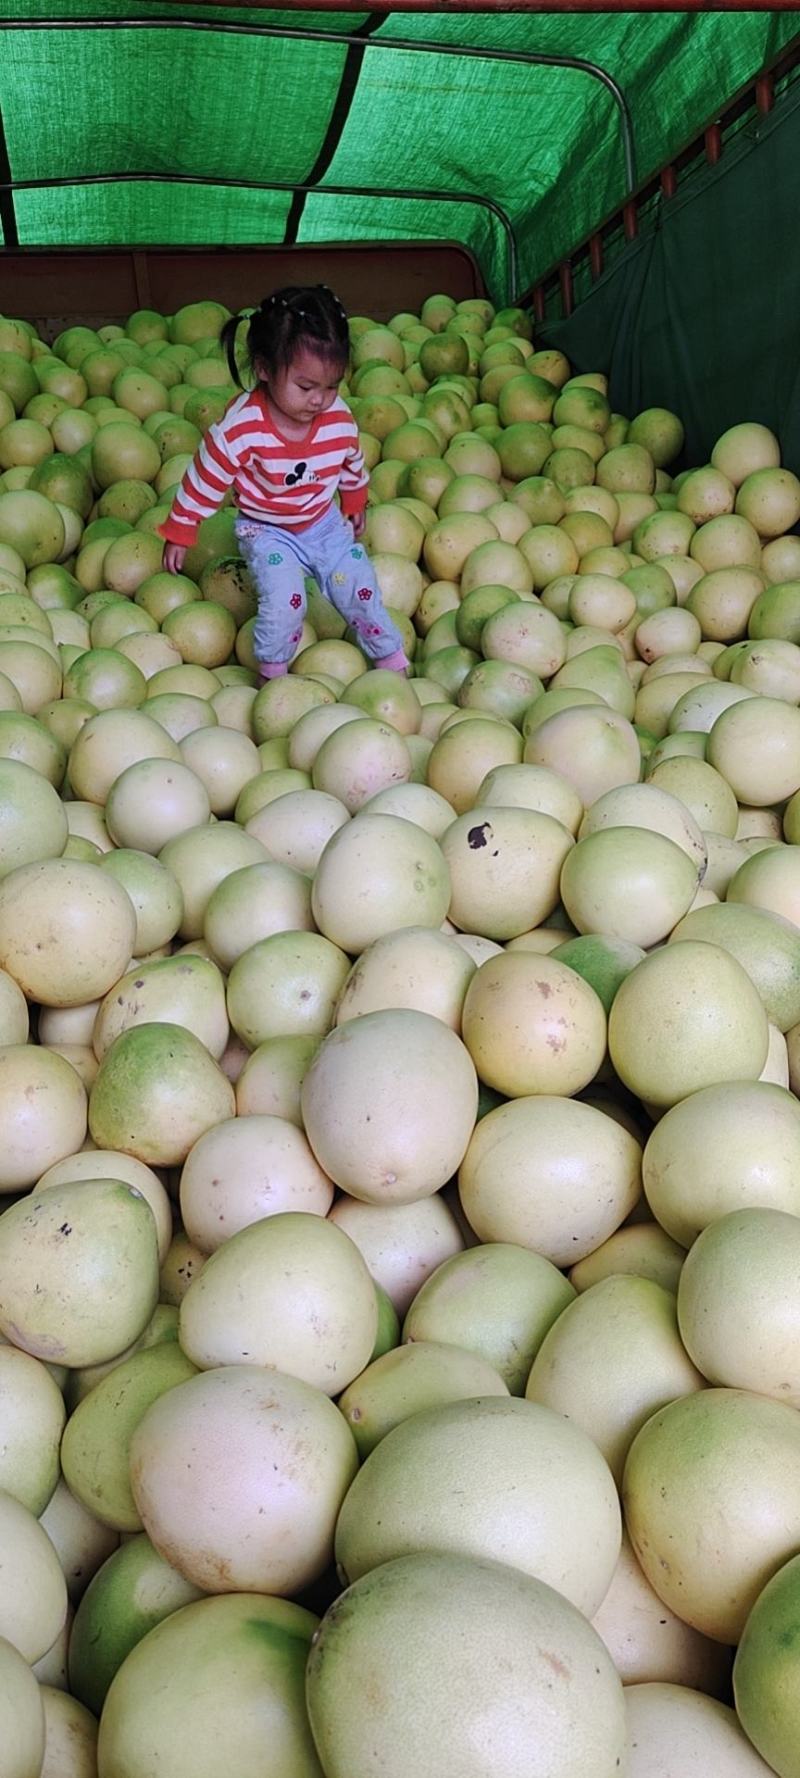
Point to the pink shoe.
(272, 669)
(395, 663)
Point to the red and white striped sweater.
(287, 482)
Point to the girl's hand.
(359, 524)
(174, 557)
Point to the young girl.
(287, 447)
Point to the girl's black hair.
(298, 315)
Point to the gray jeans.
(279, 561)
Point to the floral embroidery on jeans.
(275, 559)
(356, 554)
(295, 601)
(364, 593)
(339, 579)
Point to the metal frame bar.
(368, 191)
(308, 34)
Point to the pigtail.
(228, 342)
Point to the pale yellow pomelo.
(673, 1729)
(275, 1535)
(497, 1301)
(286, 985)
(224, 759)
(33, 1604)
(253, 903)
(156, 897)
(110, 742)
(551, 1174)
(532, 787)
(594, 748)
(411, 1380)
(43, 1113)
(738, 1303)
(413, 802)
(182, 1263)
(463, 755)
(755, 745)
(33, 824)
(723, 600)
(612, 1359)
(504, 865)
(451, 1692)
(248, 1655)
(358, 760)
(703, 790)
(630, 882)
(727, 542)
(686, 1018)
(312, 730)
(154, 800)
(289, 1292)
(70, 1736)
(30, 662)
(32, 1416)
(402, 1244)
(14, 1019)
(22, 1722)
(648, 1643)
(201, 858)
(643, 1250)
(402, 876)
(551, 1512)
(110, 1164)
(644, 805)
(416, 968)
(157, 1092)
(451, 541)
(533, 1026)
(693, 1458)
(97, 1283)
(769, 880)
(295, 828)
(183, 991)
(270, 1080)
(744, 1142)
(377, 1121)
(745, 448)
(280, 703)
(526, 633)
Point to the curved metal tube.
(309, 34)
(416, 193)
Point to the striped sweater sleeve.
(210, 474)
(354, 480)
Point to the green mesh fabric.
(700, 314)
(543, 142)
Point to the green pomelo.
(95, 1451)
(235, 1694)
(406, 1381)
(525, 1690)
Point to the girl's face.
(305, 388)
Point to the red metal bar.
(713, 142)
(669, 181)
(539, 303)
(630, 219)
(596, 255)
(765, 93)
(565, 281)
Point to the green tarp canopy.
(177, 90)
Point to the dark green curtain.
(702, 313)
